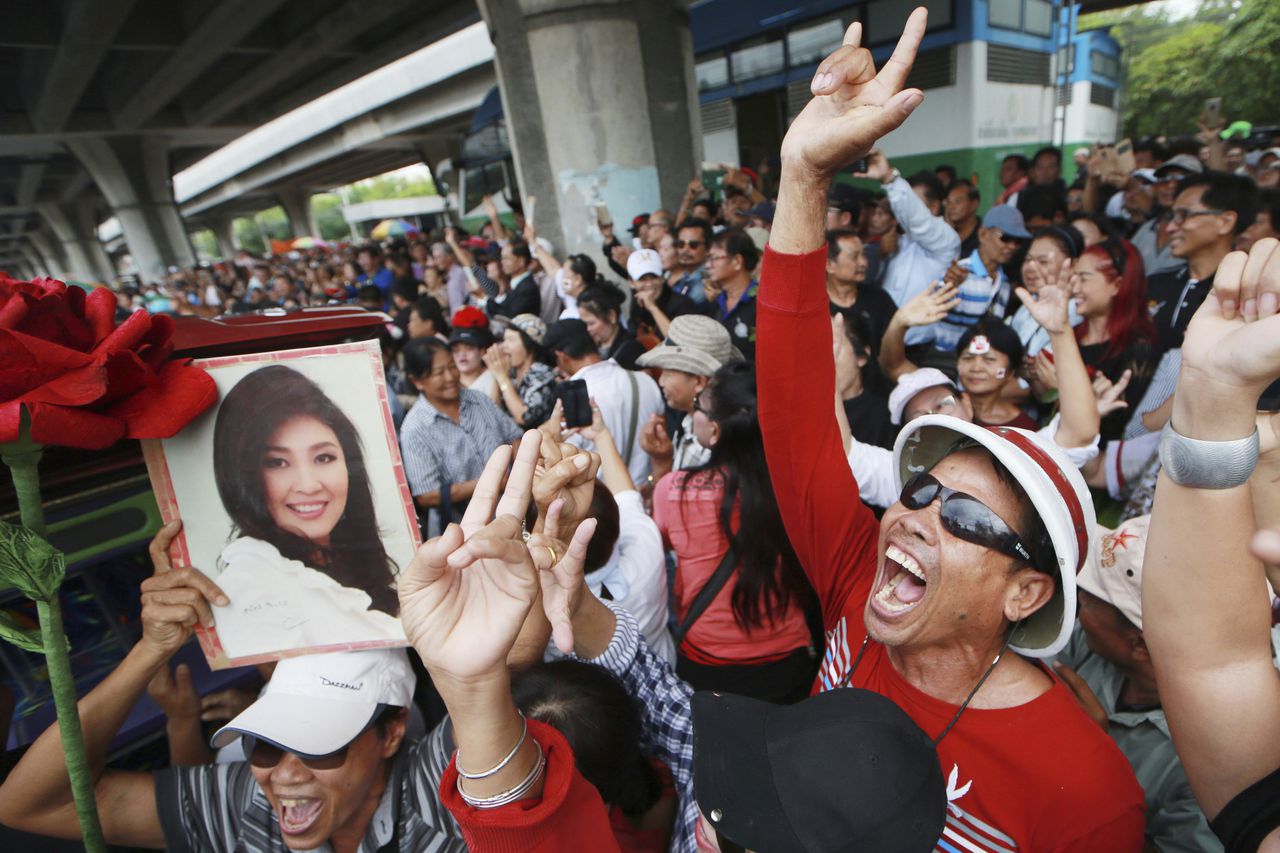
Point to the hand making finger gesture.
(561, 571)
(852, 104)
(466, 593)
(1050, 305)
(930, 305)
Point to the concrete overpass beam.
(50, 253)
(297, 209)
(133, 174)
(601, 105)
(35, 266)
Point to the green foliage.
(1228, 49)
(327, 209)
(390, 186)
(29, 563)
(206, 245)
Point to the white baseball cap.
(1058, 494)
(317, 704)
(911, 384)
(1113, 571)
(643, 262)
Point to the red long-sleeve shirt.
(569, 816)
(1040, 776)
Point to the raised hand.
(175, 693)
(653, 438)
(174, 600)
(956, 274)
(496, 360)
(561, 572)
(1050, 305)
(566, 473)
(466, 593)
(852, 105)
(1111, 394)
(930, 305)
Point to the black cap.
(844, 197)
(567, 336)
(474, 335)
(841, 771)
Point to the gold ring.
(554, 558)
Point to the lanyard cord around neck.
(844, 682)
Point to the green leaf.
(29, 563)
(24, 638)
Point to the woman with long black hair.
(722, 520)
(306, 566)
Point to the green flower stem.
(23, 459)
(64, 700)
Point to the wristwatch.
(893, 176)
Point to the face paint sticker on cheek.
(1001, 372)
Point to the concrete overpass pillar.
(223, 227)
(297, 209)
(73, 226)
(35, 266)
(601, 106)
(50, 253)
(133, 173)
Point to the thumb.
(430, 561)
(1024, 295)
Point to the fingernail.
(580, 462)
(913, 100)
(1251, 308)
(1267, 304)
(1228, 308)
(222, 601)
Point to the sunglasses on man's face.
(964, 516)
(691, 244)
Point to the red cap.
(469, 317)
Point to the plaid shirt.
(439, 452)
(666, 718)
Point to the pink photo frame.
(326, 612)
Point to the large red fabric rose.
(84, 381)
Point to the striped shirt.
(220, 807)
(439, 452)
(979, 295)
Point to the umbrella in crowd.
(388, 228)
(309, 243)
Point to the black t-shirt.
(625, 350)
(669, 302)
(868, 416)
(1141, 357)
(969, 244)
(1173, 298)
(874, 308)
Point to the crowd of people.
(788, 538)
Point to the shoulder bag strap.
(707, 594)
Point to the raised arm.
(917, 221)
(852, 107)
(924, 309)
(1077, 402)
(36, 796)
(1206, 612)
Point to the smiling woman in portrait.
(306, 565)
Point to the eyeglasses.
(717, 257)
(1010, 240)
(690, 244)
(964, 516)
(265, 755)
(944, 405)
(698, 405)
(1181, 214)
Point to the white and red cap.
(1113, 571)
(1058, 494)
(911, 384)
(317, 704)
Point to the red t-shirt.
(1039, 776)
(687, 510)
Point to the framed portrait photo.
(293, 500)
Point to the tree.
(1228, 49)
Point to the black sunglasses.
(692, 244)
(264, 754)
(965, 517)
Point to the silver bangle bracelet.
(524, 733)
(1199, 464)
(506, 797)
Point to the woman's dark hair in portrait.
(769, 575)
(249, 415)
(587, 705)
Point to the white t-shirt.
(279, 604)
